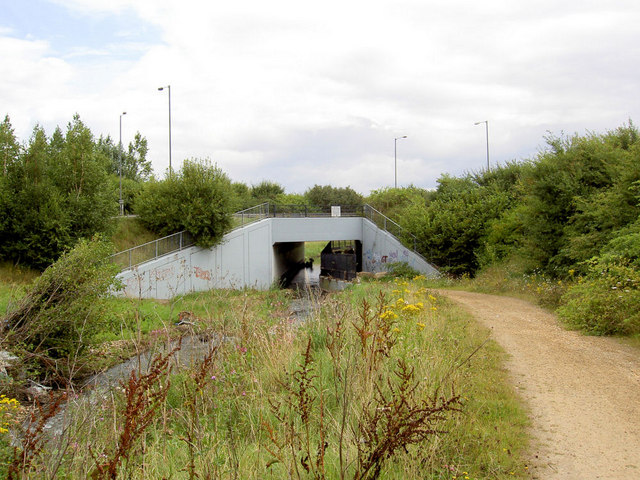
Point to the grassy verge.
(130, 233)
(13, 281)
(385, 380)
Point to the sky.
(305, 93)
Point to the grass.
(130, 233)
(313, 250)
(13, 280)
(282, 400)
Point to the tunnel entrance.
(300, 264)
(341, 260)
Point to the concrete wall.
(285, 255)
(380, 248)
(254, 256)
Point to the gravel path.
(583, 393)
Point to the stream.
(194, 348)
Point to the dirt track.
(583, 392)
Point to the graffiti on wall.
(164, 273)
(202, 274)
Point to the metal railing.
(385, 223)
(315, 211)
(250, 215)
(156, 248)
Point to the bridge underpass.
(258, 254)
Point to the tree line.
(570, 214)
(58, 189)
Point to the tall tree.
(9, 146)
(56, 192)
(266, 191)
(327, 195)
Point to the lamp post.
(486, 123)
(395, 159)
(168, 87)
(120, 163)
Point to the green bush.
(198, 199)
(57, 319)
(607, 302)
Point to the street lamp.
(486, 122)
(395, 158)
(120, 163)
(168, 87)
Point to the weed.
(144, 395)
(394, 419)
(32, 440)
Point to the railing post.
(156, 249)
(129, 258)
(306, 212)
(180, 240)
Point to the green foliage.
(392, 202)
(450, 229)
(379, 372)
(129, 233)
(9, 146)
(265, 191)
(55, 192)
(402, 269)
(290, 199)
(606, 302)
(327, 195)
(56, 320)
(131, 162)
(571, 192)
(242, 196)
(198, 199)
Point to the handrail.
(134, 256)
(386, 221)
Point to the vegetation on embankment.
(568, 217)
(565, 224)
(384, 380)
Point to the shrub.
(607, 302)
(198, 199)
(402, 269)
(55, 321)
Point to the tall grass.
(130, 233)
(385, 380)
(13, 280)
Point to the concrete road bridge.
(266, 240)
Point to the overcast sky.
(307, 93)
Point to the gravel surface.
(582, 392)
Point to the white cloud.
(304, 94)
